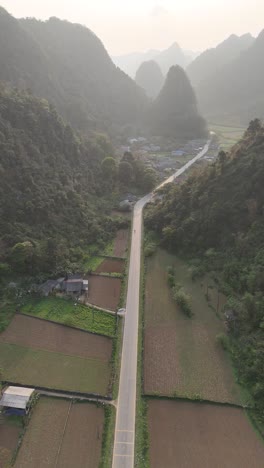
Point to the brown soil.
(82, 440)
(40, 334)
(104, 292)
(184, 435)
(9, 436)
(111, 266)
(121, 242)
(161, 374)
(62, 434)
(181, 355)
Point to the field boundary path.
(124, 443)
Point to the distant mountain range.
(229, 80)
(174, 55)
(68, 65)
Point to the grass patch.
(108, 437)
(54, 370)
(142, 436)
(7, 311)
(64, 311)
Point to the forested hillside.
(216, 217)
(50, 180)
(212, 60)
(234, 92)
(68, 65)
(149, 76)
(174, 113)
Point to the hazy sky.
(130, 25)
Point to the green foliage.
(52, 196)
(68, 65)
(223, 340)
(125, 173)
(66, 312)
(183, 300)
(174, 113)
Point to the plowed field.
(182, 356)
(39, 353)
(104, 292)
(62, 434)
(111, 266)
(194, 435)
(40, 334)
(9, 435)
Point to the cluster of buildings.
(72, 285)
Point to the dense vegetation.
(51, 188)
(174, 113)
(68, 65)
(235, 90)
(216, 217)
(210, 62)
(149, 76)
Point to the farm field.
(228, 135)
(40, 334)
(182, 356)
(38, 353)
(184, 435)
(9, 437)
(62, 434)
(104, 292)
(111, 266)
(66, 312)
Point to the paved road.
(123, 454)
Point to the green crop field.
(182, 356)
(41, 368)
(64, 311)
(228, 135)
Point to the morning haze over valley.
(131, 234)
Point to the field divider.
(62, 437)
(63, 393)
(68, 326)
(149, 396)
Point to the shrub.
(223, 340)
(183, 300)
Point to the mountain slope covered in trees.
(235, 92)
(149, 76)
(50, 179)
(217, 217)
(174, 113)
(68, 65)
(211, 61)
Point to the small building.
(48, 287)
(16, 400)
(74, 286)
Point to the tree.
(109, 168)
(22, 256)
(125, 173)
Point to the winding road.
(124, 444)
